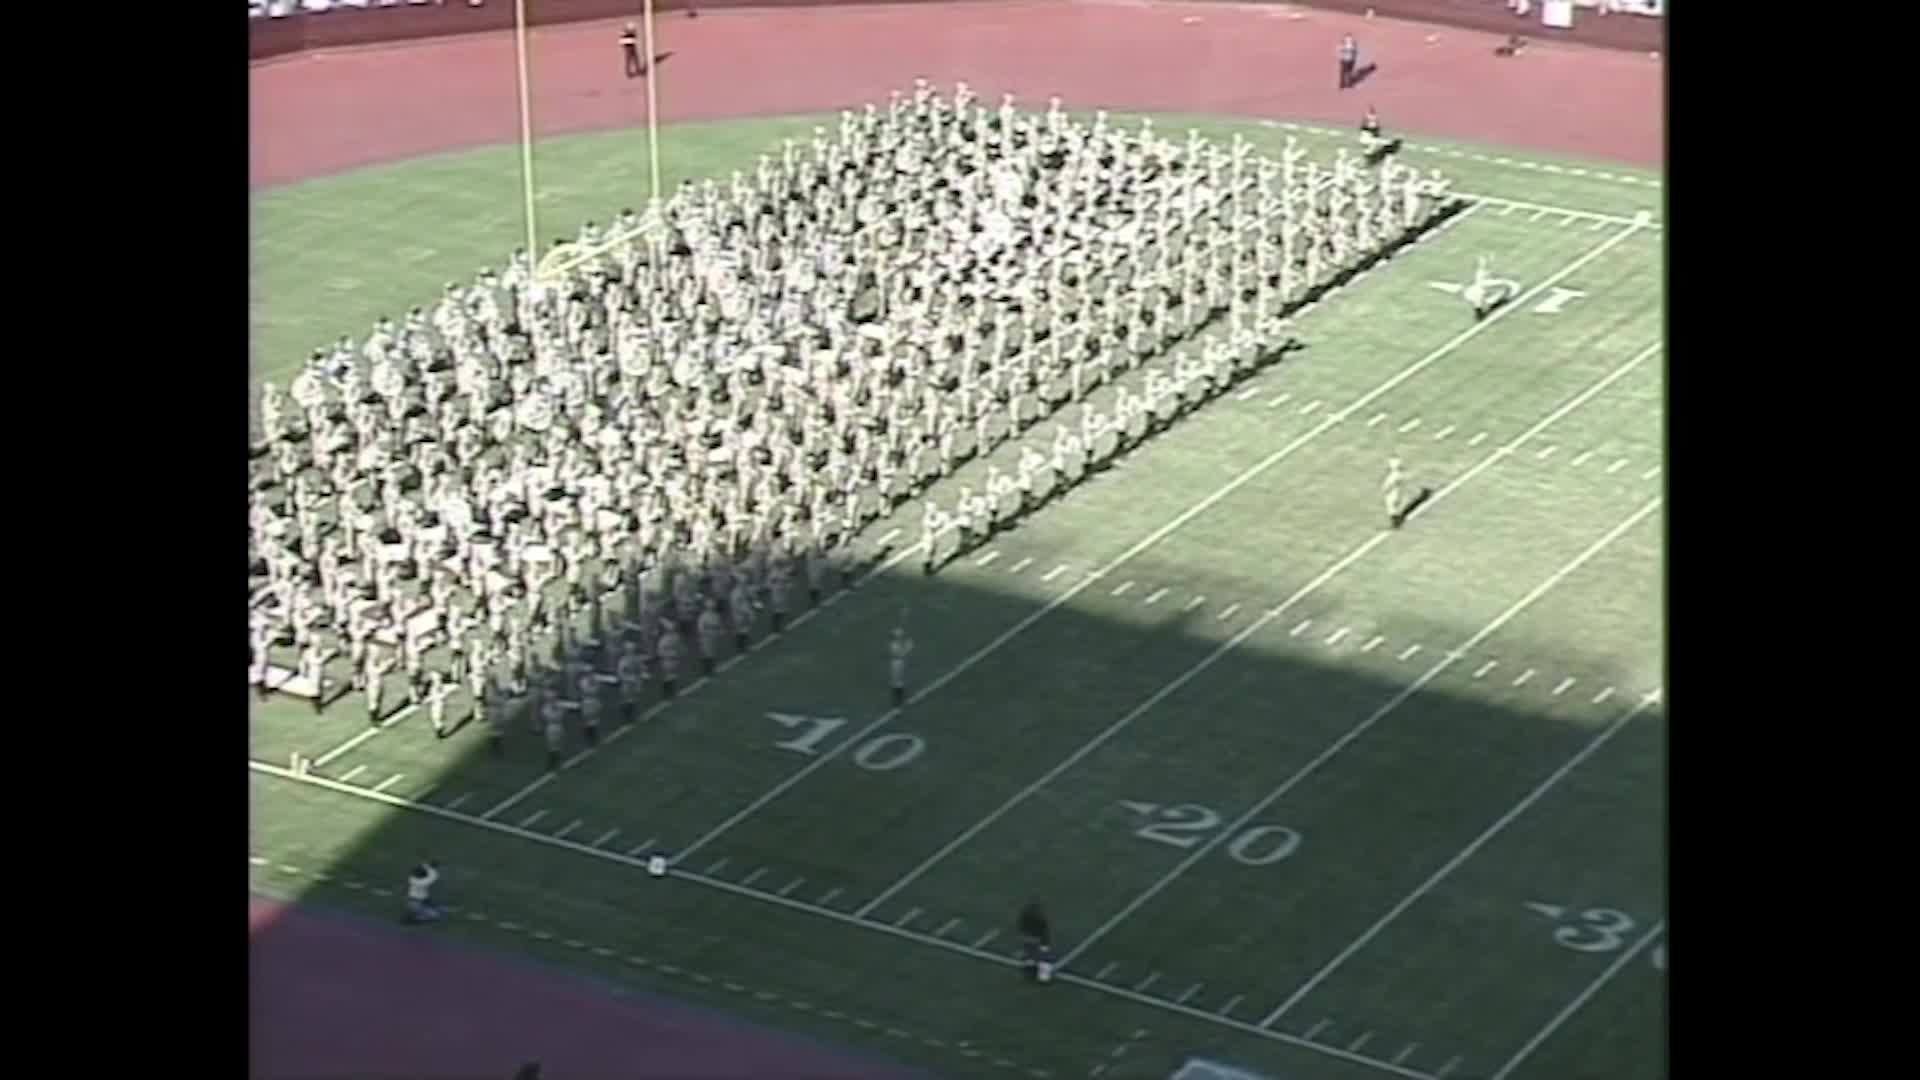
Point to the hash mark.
(533, 817)
(1597, 225)
(1372, 643)
(1309, 406)
(1146, 982)
(1486, 667)
(1247, 393)
(1338, 635)
(1603, 695)
(1582, 459)
(1354, 1046)
(1021, 565)
(1317, 1029)
(1191, 990)
(1409, 652)
(946, 926)
(986, 559)
(1537, 215)
(608, 835)
(1545, 452)
(1409, 425)
(1477, 439)
(828, 899)
(1525, 677)
(1405, 1053)
(908, 917)
(355, 771)
(1227, 614)
(562, 834)
(717, 864)
(1377, 418)
(1228, 1007)
(1616, 466)
(751, 878)
(1101, 975)
(1122, 589)
(1565, 684)
(1650, 473)
(792, 885)
(988, 936)
(1055, 572)
(1444, 432)
(890, 537)
(1154, 597)
(1194, 603)
(459, 802)
(1452, 1064)
(1298, 630)
(1279, 401)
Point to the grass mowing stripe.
(1249, 630)
(1579, 1000)
(1161, 533)
(1539, 791)
(828, 913)
(1357, 730)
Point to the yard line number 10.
(882, 753)
(1185, 825)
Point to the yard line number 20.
(882, 753)
(1185, 825)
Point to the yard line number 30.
(1185, 825)
(1595, 930)
(882, 753)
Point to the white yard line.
(1446, 869)
(818, 911)
(1580, 1000)
(1243, 634)
(347, 747)
(1231, 486)
(1358, 730)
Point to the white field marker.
(1188, 994)
(1525, 677)
(1279, 401)
(1444, 432)
(606, 836)
(1227, 1009)
(459, 802)
(389, 781)
(1372, 643)
(986, 937)
(1194, 603)
(714, 868)
(1054, 573)
(1650, 473)
(1101, 975)
(1317, 1029)
(1249, 392)
(987, 559)
(1565, 685)
(1486, 667)
(1603, 695)
(1626, 957)
(890, 537)
(1583, 458)
(1226, 614)
(1616, 466)
(828, 898)
(1409, 652)
(911, 915)
(1310, 407)
(563, 833)
(1537, 215)
(353, 772)
(1409, 425)
(1021, 565)
(1447, 1069)
(792, 885)
(1354, 1046)
(1301, 628)
(1545, 453)
(945, 927)
(1405, 1052)
(1141, 988)
(1378, 418)
(747, 882)
(1477, 439)
(533, 817)
(1154, 596)
(1121, 589)
(1338, 636)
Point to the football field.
(1304, 795)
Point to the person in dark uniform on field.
(1370, 124)
(630, 50)
(1036, 942)
(1349, 59)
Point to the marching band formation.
(689, 416)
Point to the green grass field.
(1302, 795)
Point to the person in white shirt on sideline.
(420, 906)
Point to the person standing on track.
(420, 906)
(630, 51)
(1349, 60)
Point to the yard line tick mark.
(1650, 473)
(602, 951)
(1141, 988)
(562, 834)
(1372, 643)
(1190, 991)
(908, 917)
(1405, 1053)
(1227, 614)
(1452, 1064)
(1154, 596)
(1409, 425)
(1565, 685)
(1409, 652)
(533, 817)
(1377, 419)
(1055, 572)
(1317, 1029)
(1101, 975)
(1617, 466)
(1310, 406)
(1194, 603)
(1338, 636)
(828, 899)
(1582, 459)
(1537, 215)
(1569, 220)
(459, 802)
(945, 927)
(1300, 629)
(1444, 432)
(984, 938)
(289, 869)
(1228, 1007)
(639, 847)
(792, 885)
(1603, 695)
(890, 537)
(715, 867)
(1525, 677)
(606, 836)
(987, 559)
(751, 878)
(1597, 225)
(1477, 439)
(1354, 1046)
(1122, 589)
(1545, 452)
(256, 860)
(1279, 401)
(1249, 392)
(355, 771)
(1021, 565)
(1486, 667)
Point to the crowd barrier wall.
(348, 27)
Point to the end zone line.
(1360, 729)
(1254, 627)
(1580, 1000)
(1249, 474)
(845, 918)
(1539, 791)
